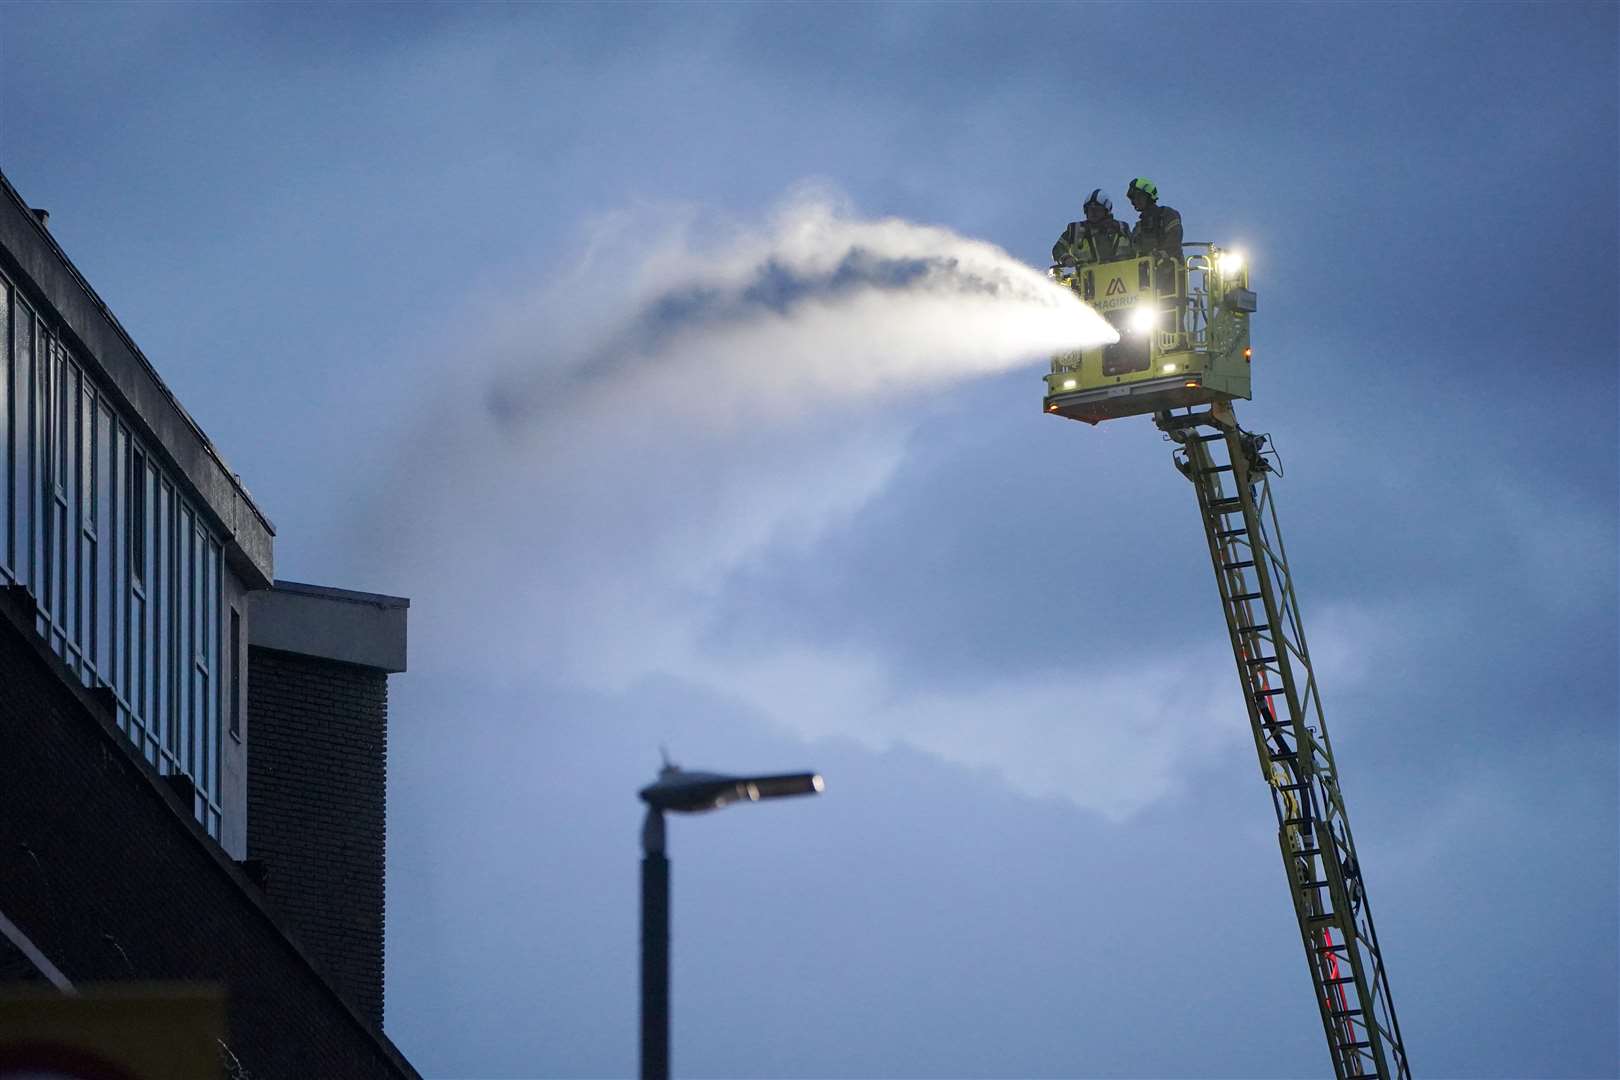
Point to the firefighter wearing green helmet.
(1101, 237)
(1158, 236)
(1158, 228)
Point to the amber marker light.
(1191, 383)
(1248, 354)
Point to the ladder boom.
(1233, 482)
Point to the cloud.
(1111, 738)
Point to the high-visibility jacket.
(1158, 229)
(1092, 241)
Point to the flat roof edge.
(147, 400)
(319, 621)
(351, 596)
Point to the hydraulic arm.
(1232, 477)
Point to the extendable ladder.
(1233, 481)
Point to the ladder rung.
(1340, 981)
(1335, 947)
(1356, 1045)
(1245, 564)
(1273, 692)
(1313, 884)
(1339, 1014)
(1245, 596)
(1255, 629)
(1215, 469)
(1291, 755)
(1221, 506)
(1228, 533)
(1299, 822)
(1260, 661)
(1207, 438)
(1293, 787)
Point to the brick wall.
(316, 780)
(104, 870)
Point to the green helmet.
(1145, 186)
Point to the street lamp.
(684, 793)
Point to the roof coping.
(330, 624)
(146, 401)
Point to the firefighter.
(1158, 228)
(1099, 238)
(1158, 236)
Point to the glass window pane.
(106, 561)
(137, 516)
(163, 620)
(83, 509)
(234, 707)
(27, 461)
(215, 674)
(8, 537)
(184, 593)
(27, 382)
(139, 686)
(66, 394)
(118, 556)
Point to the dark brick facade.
(316, 786)
(111, 878)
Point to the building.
(192, 754)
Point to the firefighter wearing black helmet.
(1099, 238)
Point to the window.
(8, 425)
(137, 518)
(127, 574)
(236, 674)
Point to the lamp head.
(687, 792)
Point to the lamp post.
(684, 793)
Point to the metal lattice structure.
(1233, 481)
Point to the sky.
(455, 289)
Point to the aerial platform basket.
(1183, 336)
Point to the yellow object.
(1183, 337)
(138, 1031)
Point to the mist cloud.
(816, 309)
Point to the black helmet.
(1097, 198)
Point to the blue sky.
(1044, 849)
